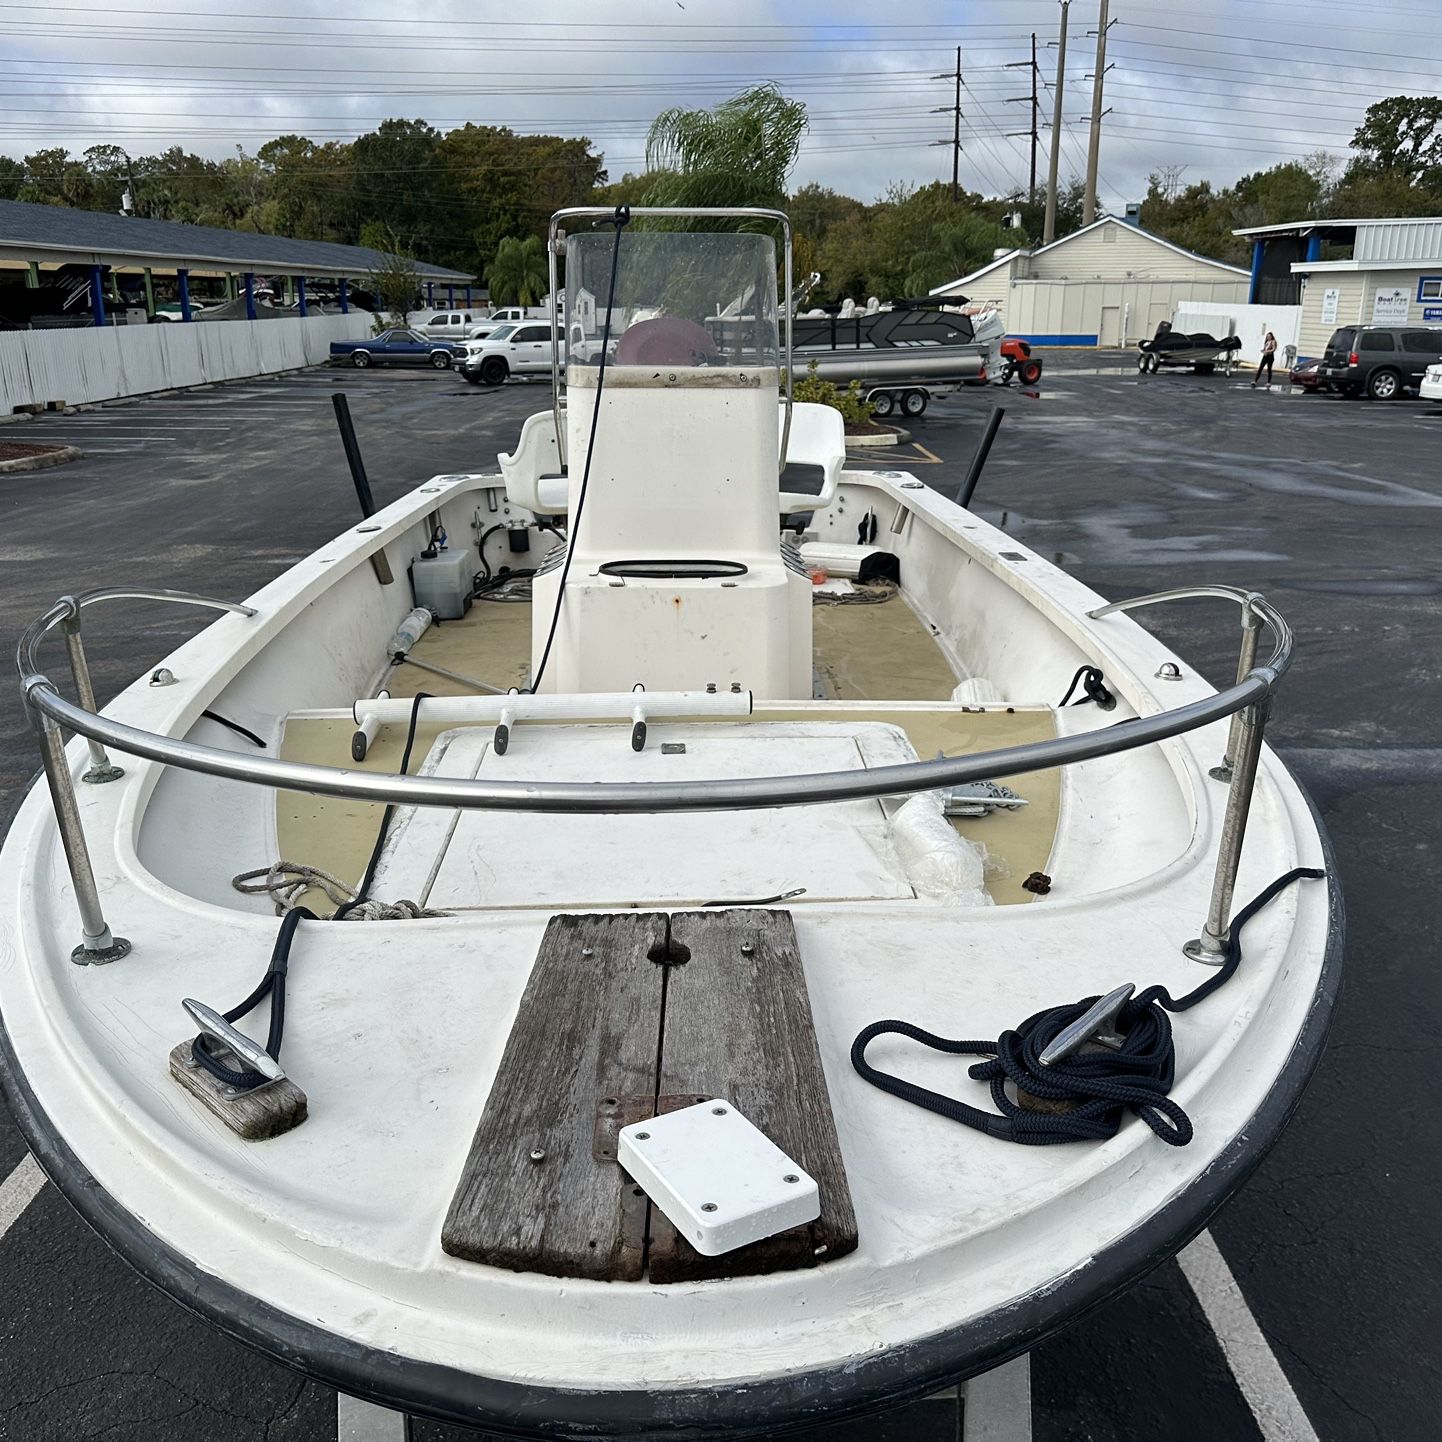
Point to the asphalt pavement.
(1330, 507)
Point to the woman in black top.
(1269, 351)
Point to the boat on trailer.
(525, 952)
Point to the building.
(89, 263)
(1346, 272)
(1110, 283)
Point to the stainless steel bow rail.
(1246, 702)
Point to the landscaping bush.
(854, 407)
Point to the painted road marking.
(996, 1406)
(18, 1190)
(1258, 1374)
(357, 1421)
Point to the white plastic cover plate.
(722, 1181)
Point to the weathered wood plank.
(255, 1115)
(584, 1038)
(738, 1025)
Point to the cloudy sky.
(1219, 87)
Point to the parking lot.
(1134, 484)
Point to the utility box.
(443, 583)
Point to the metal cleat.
(1097, 1024)
(251, 1053)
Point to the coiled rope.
(285, 882)
(1096, 1087)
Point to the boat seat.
(815, 455)
(533, 473)
(817, 444)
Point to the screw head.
(708, 1206)
(747, 948)
(588, 951)
(790, 1177)
(231, 1092)
(643, 1136)
(537, 1155)
(718, 1111)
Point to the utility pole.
(956, 136)
(1035, 131)
(1089, 205)
(955, 141)
(1049, 229)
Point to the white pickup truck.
(510, 349)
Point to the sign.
(1432, 312)
(1393, 303)
(1330, 297)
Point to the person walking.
(1269, 353)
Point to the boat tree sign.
(1391, 303)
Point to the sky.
(1216, 87)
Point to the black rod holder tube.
(973, 475)
(352, 454)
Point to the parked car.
(1431, 387)
(1304, 374)
(509, 350)
(1380, 361)
(449, 324)
(397, 347)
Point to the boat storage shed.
(1109, 284)
(111, 256)
(1349, 272)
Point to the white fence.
(101, 364)
(1249, 322)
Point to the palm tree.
(740, 153)
(518, 273)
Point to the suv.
(1380, 361)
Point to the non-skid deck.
(863, 654)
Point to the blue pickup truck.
(397, 347)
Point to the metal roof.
(1306, 227)
(55, 233)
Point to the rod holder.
(102, 768)
(983, 450)
(98, 945)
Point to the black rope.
(272, 985)
(234, 726)
(363, 891)
(1099, 1086)
(1093, 687)
(621, 219)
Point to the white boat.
(674, 858)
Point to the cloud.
(1220, 90)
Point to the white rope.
(285, 882)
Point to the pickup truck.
(397, 347)
(450, 324)
(510, 349)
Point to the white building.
(1349, 272)
(1110, 284)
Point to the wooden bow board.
(607, 1034)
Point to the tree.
(394, 280)
(394, 175)
(519, 273)
(1403, 134)
(12, 178)
(738, 154)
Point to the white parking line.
(357, 1421)
(1258, 1374)
(18, 1190)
